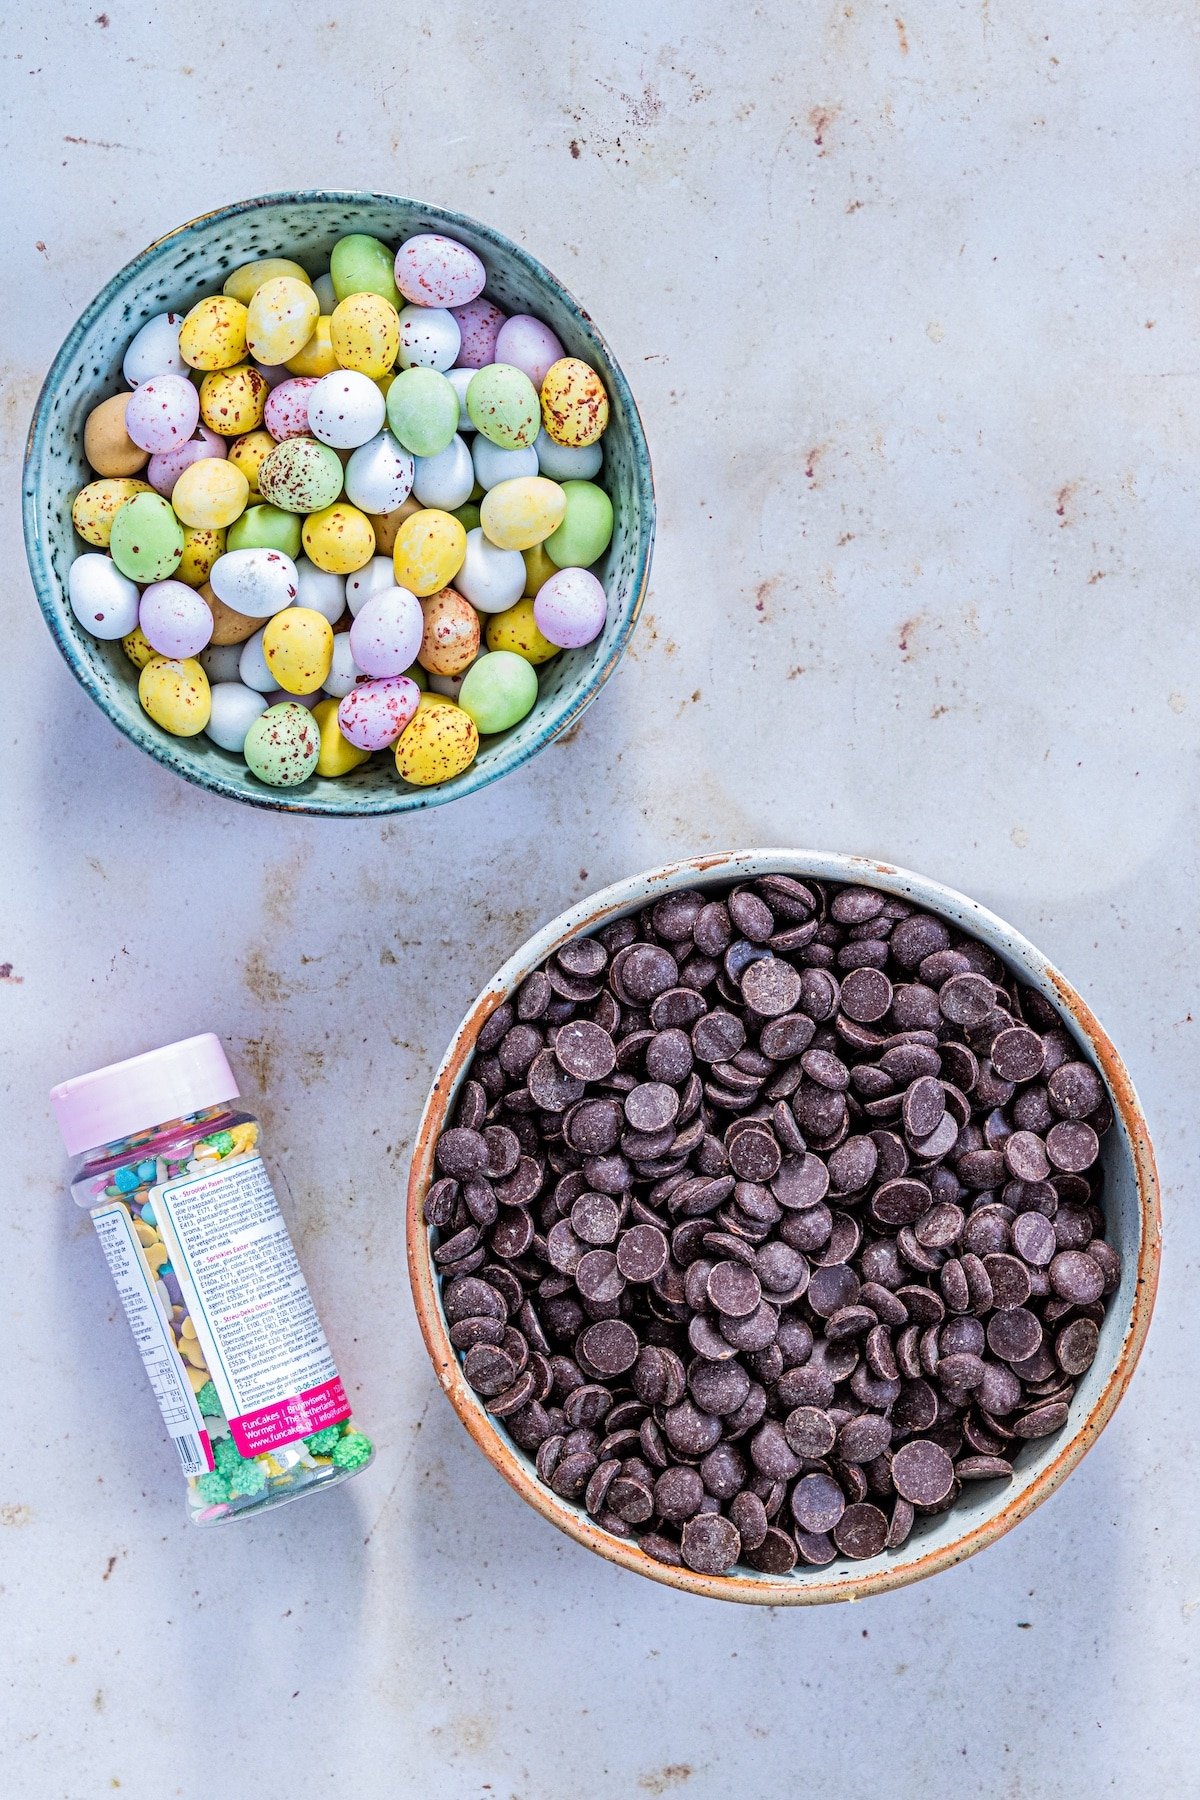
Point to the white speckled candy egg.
(257, 583)
(285, 414)
(445, 480)
(103, 600)
(343, 671)
(429, 338)
(345, 409)
(252, 665)
(387, 632)
(234, 710)
(175, 620)
(460, 381)
(493, 464)
(162, 413)
(374, 713)
(374, 578)
(563, 462)
(320, 590)
(491, 579)
(167, 466)
(528, 345)
(154, 350)
(379, 475)
(432, 270)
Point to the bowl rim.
(166, 750)
(618, 898)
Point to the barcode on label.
(189, 1455)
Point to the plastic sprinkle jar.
(170, 1170)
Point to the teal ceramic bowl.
(173, 274)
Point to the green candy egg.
(422, 411)
(503, 404)
(467, 515)
(498, 690)
(301, 476)
(282, 745)
(418, 675)
(265, 528)
(147, 539)
(586, 530)
(362, 265)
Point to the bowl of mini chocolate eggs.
(338, 503)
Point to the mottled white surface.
(910, 308)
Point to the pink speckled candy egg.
(286, 412)
(529, 346)
(166, 468)
(175, 620)
(570, 608)
(432, 270)
(163, 412)
(479, 323)
(387, 632)
(374, 713)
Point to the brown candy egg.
(451, 640)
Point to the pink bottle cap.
(146, 1090)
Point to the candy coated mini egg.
(176, 695)
(202, 544)
(174, 619)
(528, 345)
(272, 373)
(245, 281)
(365, 334)
(318, 356)
(503, 405)
(249, 453)
(282, 745)
(574, 403)
(538, 569)
(460, 380)
(345, 409)
(479, 325)
(379, 475)
(162, 413)
(220, 662)
(516, 515)
(280, 319)
(232, 400)
(96, 506)
(562, 462)
(388, 524)
(298, 649)
(233, 710)
(285, 414)
(265, 527)
(212, 492)
(432, 270)
(450, 634)
(321, 590)
(422, 411)
(375, 577)
(571, 608)
(229, 626)
(301, 476)
(337, 754)
(308, 701)
(445, 480)
(324, 290)
(429, 338)
(428, 552)
(439, 743)
(138, 650)
(154, 350)
(494, 465)
(146, 540)
(213, 334)
(339, 538)
(498, 691)
(252, 665)
(106, 443)
(360, 264)
(517, 630)
(374, 713)
(343, 671)
(255, 583)
(103, 600)
(448, 686)
(167, 466)
(387, 632)
(468, 515)
(586, 530)
(490, 578)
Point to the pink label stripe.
(286, 1420)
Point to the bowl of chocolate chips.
(783, 1226)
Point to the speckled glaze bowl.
(175, 272)
(987, 1510)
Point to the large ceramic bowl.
(175, 272)
(1131, 1205)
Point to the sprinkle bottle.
(170, 1170)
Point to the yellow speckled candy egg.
(365, 332)
(106, 443)
(232, 400)
(211, 494)
(574, 403)
(96, 506)
(337, 755)
(520, 513)
(202, 544)
(516, 629)
(438, 743)
(297, 647)
(249, 453)
(138, 648)
(388, 524)
(317, 357)
(245, 282)
(339, 538)
(280, 319)
(176, 695)
(428, 552)
(213, 336)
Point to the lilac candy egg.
(387, 632)
(286, 411)
(163, 412)
(174, 619)
(529, 346)
(570, 608)
(165, 469)
(479, 324)
(432, 270)
(373, 714)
